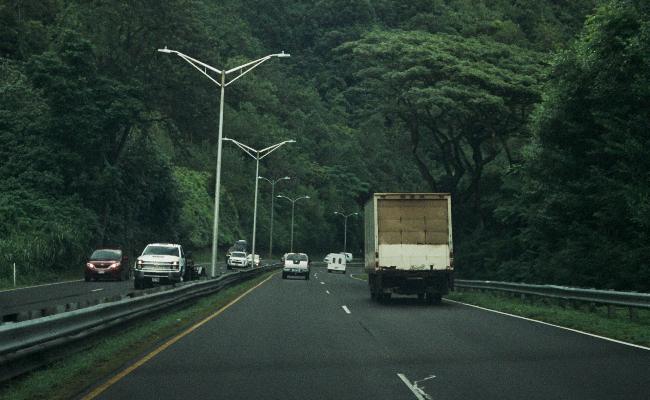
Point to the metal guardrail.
(605, 297)
(22, 339)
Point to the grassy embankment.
(103, 356)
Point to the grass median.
(595, 320)
(95, 359)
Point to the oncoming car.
(237, 259)
(107, 263)
(296, 264)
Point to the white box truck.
(408, 245)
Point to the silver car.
(296, 264)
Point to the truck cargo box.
(406, 233)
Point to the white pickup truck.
(237, 259)
(163, 262)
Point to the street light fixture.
(272, 182)
(257, 155)
(345, 227)
(222, 83)
(293, 206)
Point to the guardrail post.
(592, 307)
(14, 274)
(611, 311)
(634, 316)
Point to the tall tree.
(460, 100)
(588, 175)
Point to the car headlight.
(90, 265)
(114, 265)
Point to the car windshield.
(106, 255)
(297, 257)
(160, 251)
(238, 254)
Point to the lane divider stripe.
(553, 325)
(413, 389)
(37, 286)
(99, 390)
(345, 308)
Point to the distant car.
(296, 264)
(107, 264)
(237, 259)
(257, 260)
(240, 245)
(337, 263)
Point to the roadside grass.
(102, 357)
(597, 321)
(38, 277)
(361, 277)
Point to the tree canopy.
(533, 114)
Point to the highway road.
(59, 294)
(325, 339)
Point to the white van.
(336, 263)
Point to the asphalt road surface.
(49, 295)
(325, 339)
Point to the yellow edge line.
(99, 390)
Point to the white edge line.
(410, 386)
(45, 284)
(345, 308)
(97, 290)
(553, 325)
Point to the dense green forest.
(534, 114)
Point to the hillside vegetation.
(532, 113)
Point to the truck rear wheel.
(434, 298)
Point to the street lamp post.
(345, 227)
(222, 83)
(257, 155)
(272, 182)
(293, 206)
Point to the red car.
(107, 264)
